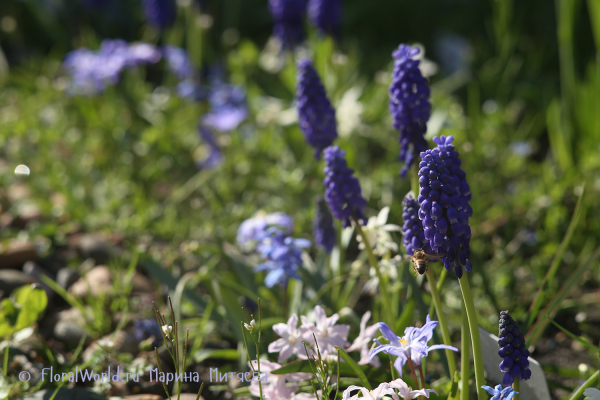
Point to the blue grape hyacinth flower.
(444, 205)
(409, 104)
(160, 13)
(323, 230)
(289, 21)
(342, 189)
(326, 15)
(256, 228)
(283, 256)
(178, 62)
(512, 350)
(228, 107)
(316, 115)
(91, 72)
(500, 394)
(413, 235)
(412, 346)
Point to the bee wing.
(432, 257)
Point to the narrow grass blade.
(357, 370)
(590, 382)
(535, 331)
(573, 336)
(539, 297)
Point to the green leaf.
(454, 392)
(357, 370)
(407, 316)
(221, 354)
(33, 302)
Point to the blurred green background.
(517, 83)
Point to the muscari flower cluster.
(500, 394)
(409, 104)
(92, 71)
(412, 346)
(342, 189)
(444, 205)
(512, 350)
(160, 13)
(326, 15)
(289, 24)
(323, 230)
(316, 115)
(413, 235)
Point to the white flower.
(167, 329)
(388, 267)
(275, 386)
(406, 393)
(378, 234)
(328, 334)
(251, 325)
(376, 394)
(364, 340)
(592, 393)
(291, 338)
(105, 343)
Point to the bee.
(419, 260)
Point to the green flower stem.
(442, 320)
(517, 387)
(385, 299)
(475, 339)
(465, 352)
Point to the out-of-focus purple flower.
(513, 351)
(413, 236)
(409, 104)
(283, 256)
(444, 205)
(190, 90)
(178, 62)
(228, 107)
(323, 230)
(215, 156)
(255, 229)
(92, 71)
(500, 394)
(326, 15)
(143, 53)
(160, 13)
(146, 328)
(289, 25)
(342, 189)
(316, 115)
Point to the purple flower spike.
(315, 113)
(323, 230)
(342, 189)
(409, 104)
(512, 350)
(413, 230)
(445, 217)
(289, 25)
(160, 13)
(326, 15)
